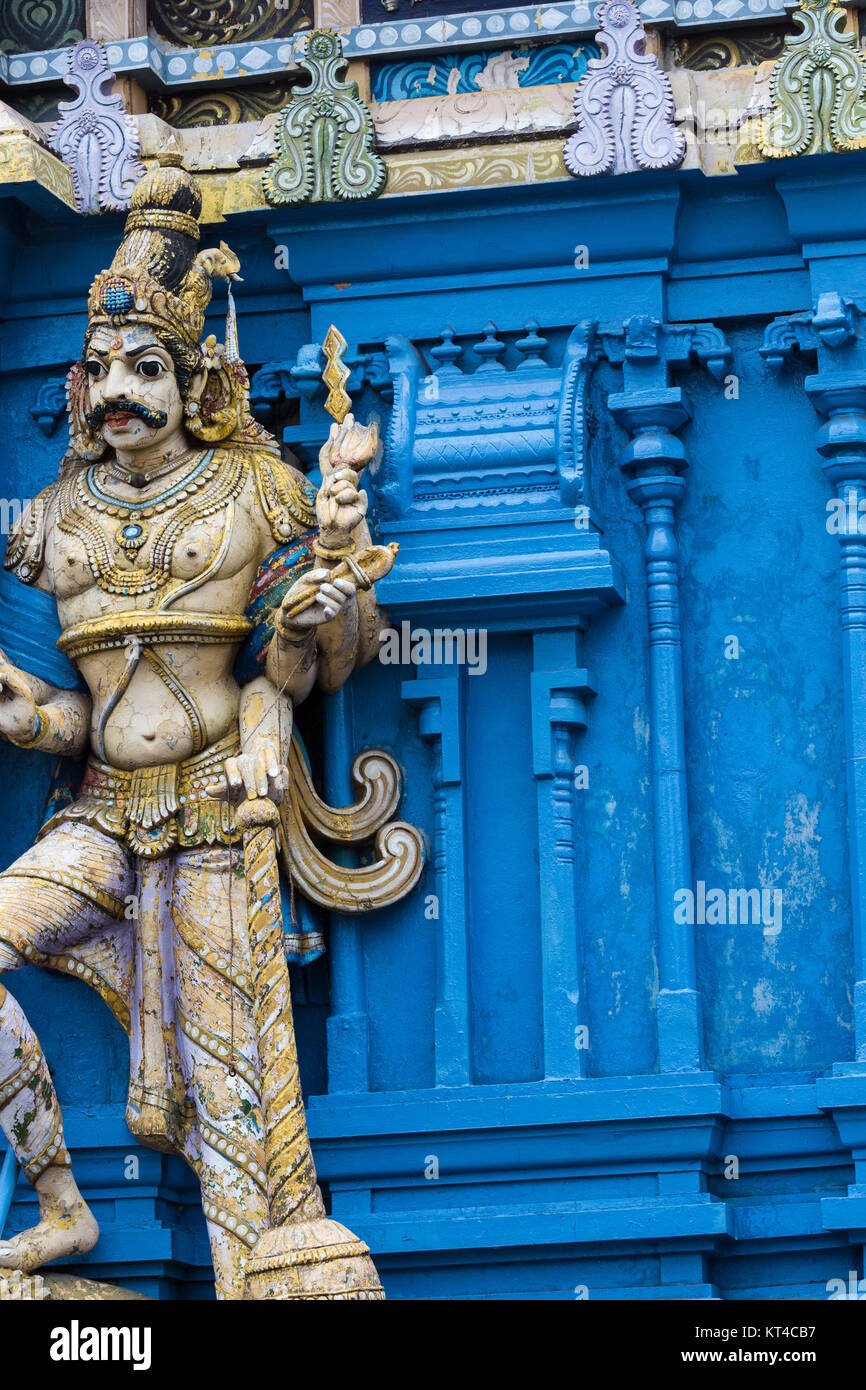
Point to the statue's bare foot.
(65, 1226)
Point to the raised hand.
(340, 506)
(348, 445)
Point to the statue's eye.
(94, 368)
(150, 367)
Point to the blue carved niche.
(486, 420)
(473, 422)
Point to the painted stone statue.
(203, 587)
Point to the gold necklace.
(206, 490)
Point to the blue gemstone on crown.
(116, 297)
(130, 532)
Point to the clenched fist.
(340, 506)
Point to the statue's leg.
(69, 888)
(218, 1049)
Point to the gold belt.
(154, 809)
(115, 629)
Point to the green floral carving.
(325, 148)
(818, 88)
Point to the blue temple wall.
(447, 1129)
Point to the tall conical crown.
(161, 232)
(156, 276)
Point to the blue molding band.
(155, 65)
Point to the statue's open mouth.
(120, 413)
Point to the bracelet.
(339, 552)
(43, 726)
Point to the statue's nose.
(115, 385)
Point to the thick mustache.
(154, 419)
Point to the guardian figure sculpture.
(203, 587)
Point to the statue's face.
(135, 400)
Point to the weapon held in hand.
(364, 569)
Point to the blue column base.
(347, 1050)
(679, 1030)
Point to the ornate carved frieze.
(741, 50)
(495, 70)
(515, 111)
(228, 21)
(471, 437)
(324, 137)
(625, 103)
(95, 137)
(230, 106)
(527, 162)
(818, 89)
(746, 48)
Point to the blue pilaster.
(560, 689)
(439, 702)
(654, 463)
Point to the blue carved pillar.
(835, 331)
(439, 702)
(842, 445)
(559, 689)
(654, 463)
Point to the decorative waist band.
(115, 630)
(154, 809)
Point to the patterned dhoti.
(163, 938)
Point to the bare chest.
(124, 553)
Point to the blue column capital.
(654, 459)
(438, 704)
(834, 330)
(558, 700)
(648, 349)
(840, 398)
(664, 408)
(649, 407)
